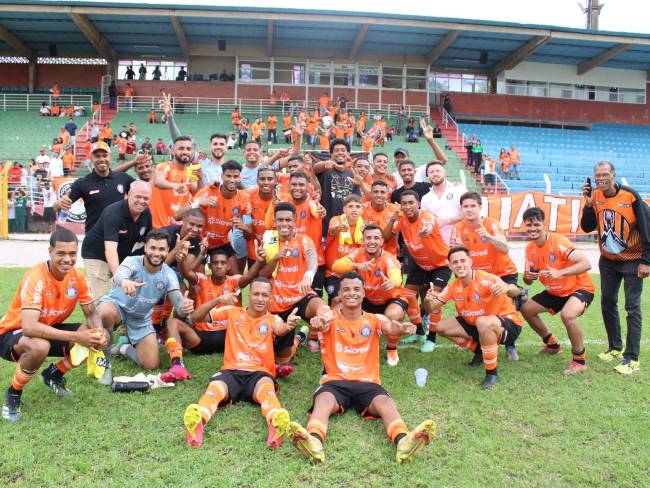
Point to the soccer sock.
(434, 318)
(580, 357)
(391, 342)
(127, 350)
(20, 379)
(413, 307)
(419, 329)
(269, 403)
(317, 429)
(397, 429)
(431, 336)
(210, 400)
(468, 344)
(551, 341)
(63, 365)
(175, 351)
(490, 358)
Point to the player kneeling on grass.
(350, 349)
(33, 327)
(248, 371)
(140, 283)
(486, 315)
(562, 270)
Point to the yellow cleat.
(193, 425)
(415, 440)
(628, 367)
(307, 443)
(279, 427)
(611, 355)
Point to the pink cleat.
(176, 373)
(283, 370)
(193, 426)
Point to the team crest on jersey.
(120, 188)
(294, 252)
(235, 212)
(303, 214)
(160, 285)
(477, 297)
(340, 330)
(71, 292)
(551, 257)
(484, 239)
(377, 272)
(450, 196)
(143, 229)
(263, 328)
(366, 331)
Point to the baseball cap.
(400, 150)
(100, 146)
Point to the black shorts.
(10, 338)
(49, 215)
(332, 284)
(490, 178)
(418, 276)
(556, 304)
(241, 384)
(510, 279)
(318, 282)
(224, 247)
(211, 341)
(356, 394)
(510, 330)
(366, 306)
(286, 341)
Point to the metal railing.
(32, 101)
(446, 119)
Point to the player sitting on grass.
(248, 371)
(562, 270)
(33, 328)
(350, 349)
(140, 283)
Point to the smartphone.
(588, 189)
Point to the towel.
(346, 237)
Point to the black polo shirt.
(99, 192)
(420, 188)
(116, 224)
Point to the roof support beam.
(601, 58)
(93, 36)
(440, 48)
(269, 38)
(180, 34)
(358, 40)
(513, 59)
(21, 48)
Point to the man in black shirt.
(119, 233)
(188, 244)
(99, 188)
(406, 171)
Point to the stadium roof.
(80, 28)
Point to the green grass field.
(537, 429)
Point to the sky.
(616, 15)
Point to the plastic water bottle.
(421, 377)
(63, 217)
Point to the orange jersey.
(68, 160)
(165, 203)
(367, 144)
(290, 271)
(324, 101)
(273, 121)
(106, 133)
(286, 121)
(339, 131)
(514, 156)
(259, 207)
(324, 142)
(255, 130)
(428, 252)
(476, 300)
(65, 136)
(555, 254)
(380, 218)
(129, 91)
(373, 280)
(249, 340)
(350, 349)
(121, 143)
(334, 249)
(484, 255)
(390, 180)
(218, 219)
(55, 300)
(205, 290)
(312, 127)
(235, 117)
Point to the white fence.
(32, 101)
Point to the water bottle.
(421, 377)
(63, 217)
(130, 386)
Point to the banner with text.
(76, 216)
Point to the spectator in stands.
(504, 159)
(133, 129)
(57, 146)
(272, 122)
(14, 176)
(231, 76)
(489, 175)
(106, 134)
(156, 74)
(142, 72)
(69, 111)
(130, 74)
(64, 137)
(400, 118)
(55, 166)
(411, 135)
(112, 95)
(437, 133)
(323, 104)
(243, 133)
(447, 103)
(235, 117)
(94, 131)
(515, 161)
(477, 156)
(121, 143)
(42, 157)
(273, 98)
(20, 203)
(622, 221)
(469, 145)
(161, 147)
(96, 106)
(181, 74)
(55, 91)
(49, 197)
(146, 147)
(11, 214)
(45, 110)
(129, 93)
(153, 117)
(232, 140)
(224, 75)
(71, 127)
(55, 110)
(68, 160)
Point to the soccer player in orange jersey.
(428, 250)
(248, 371)
(486, 314)
(382, 276)
(562, 270)
(34, 326)
(350, 351)
(260, 199)
(379, 210)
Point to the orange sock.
(434, 318)
(174, 349)
(210, 400)
(490, 357)
(317, 427)
(392, 342)
(21, 378)
(413, 309)
(396, 428)
(467, 344)
(580, 357)
(64, 365)
(268, 401)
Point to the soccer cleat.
(107, 378)
(278, 428)
(477, 360)
(413, 339)
(628, 367)
(415, 440)
(194, 427)
(176, 373)
(611, 355)
(521, 298)
(575, 368)
(11, 407)
(512, 353)
(550, 350)
(302, 335)
(283, 370)
(314, 346)
(57, 385)
(392, 358)
(490, 381)
(307, 443)
(428, 346)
